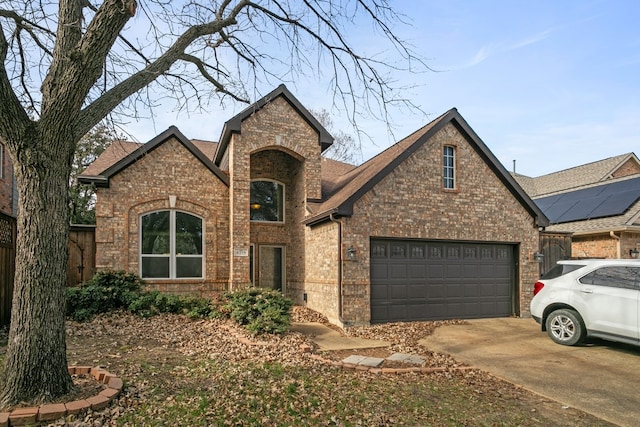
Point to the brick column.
(239, 197)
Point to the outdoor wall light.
(634, 253)
(351, 253)
(538, 257)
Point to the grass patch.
(233, 385)
(214, 392)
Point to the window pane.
(617, 277)
(448, 167)
(155, 267)
(188, 266)
(188, 234)
(267, 202)
(155, 233)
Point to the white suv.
(598, 298)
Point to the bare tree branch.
(13, 119)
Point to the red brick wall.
(322, 269)
(277, 143)
(145, 186)
(410, 203)
(630, 167)
(604, 245)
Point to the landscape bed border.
(53, 411)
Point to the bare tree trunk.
(35, 366)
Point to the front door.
(271, 267)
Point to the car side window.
(615, 277)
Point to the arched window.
(171, 244)
(267, 201)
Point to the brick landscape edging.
(53, 411)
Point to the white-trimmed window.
(449, 167)
(266, 201)
(171, 245)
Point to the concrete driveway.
(600, 378)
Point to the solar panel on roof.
(604, 200)
(616, 204)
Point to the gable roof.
(350, 187)
(234, 125)
(575, 177)
(124, 154)
(114, 152)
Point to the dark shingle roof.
(234, 124)
(573, 178)
(345, 190)
(120, 155)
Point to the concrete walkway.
(327, 338)
(600, 378)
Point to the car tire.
(565, 327)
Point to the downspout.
(613, 235)
(333, 219)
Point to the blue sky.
(550, 84)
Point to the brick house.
(598, 204)
(434, 227)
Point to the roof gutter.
(98, 181)
(622, 229)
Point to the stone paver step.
(406, 358)
(373, 362)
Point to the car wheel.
(565, 327)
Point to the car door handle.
(586, 291)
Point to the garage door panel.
(398, 292)
(454, 290)
(452, 272)
(435, 291)
(379, 271)
(397, 271)
(424, 280)
(417, 291)
(435, 271)
(380, 293)
(417, 271)
(469, 271)
(472, 291)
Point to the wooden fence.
(82, 254)
(82, 260)
(554, 247)
(7, 265)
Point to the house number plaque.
(240, 252)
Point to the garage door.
(433, 280)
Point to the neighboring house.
(434, 227)
(598, 203)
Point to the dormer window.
(266, 201)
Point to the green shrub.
(113, 290)
(107, 290)
(259, 310)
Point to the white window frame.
(449, 182)
(172, 247)
(284, 198)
